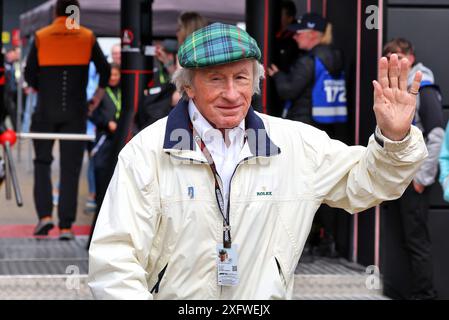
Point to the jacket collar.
(179, 136)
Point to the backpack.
(156, 105)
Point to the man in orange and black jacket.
(57, 68)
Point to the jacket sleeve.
(101, 64)
(119, 253)
(103, 114)
(292, 84)
(356, 178)
(32, 68)
(99, 117)
(431, 115)
(444, 160)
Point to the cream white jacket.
(159, 225)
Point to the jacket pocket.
(155, 289)
(281, 273)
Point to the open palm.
(394, 106)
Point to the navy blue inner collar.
(178, 134)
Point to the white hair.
(183, 78)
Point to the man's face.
(305, 39)
(223, 93)
(116, 54)
(10, 56)
(114, 80)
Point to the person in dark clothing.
(2, 130)
(10, 92)
(413, 206)
(316, 86)
(162, 96)
(286, 51)
(105, 118)
(158, 99)
(298, 83)
(57, 68)
(2, 122)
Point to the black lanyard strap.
(218, 190)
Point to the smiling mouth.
(229, 107)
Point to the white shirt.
(225, 158)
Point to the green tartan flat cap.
(217, 44)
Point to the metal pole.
(262, 22)
(136, 23)
(8, 174)
(56, 136)
(13, 175)
(137, 71)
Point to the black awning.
(103, 16)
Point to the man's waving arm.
(357, 178)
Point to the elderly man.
(216, 176)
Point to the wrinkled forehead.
(241, 66)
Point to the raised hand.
(394, 106)
(272, 70)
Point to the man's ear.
(190, 92)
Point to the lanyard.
(162, 79)
(218, 193)
(116, 100)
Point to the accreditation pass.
(227, 261)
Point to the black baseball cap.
(309, 21)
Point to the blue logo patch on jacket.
(328, 96)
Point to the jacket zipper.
(229, 194)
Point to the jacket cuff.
(390, 145)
